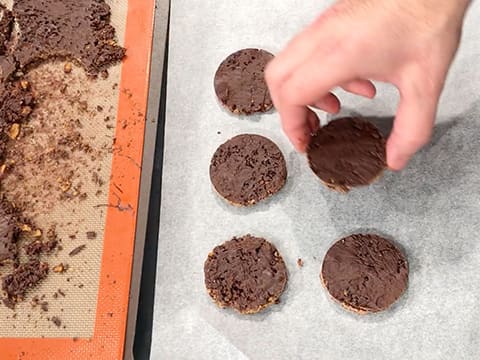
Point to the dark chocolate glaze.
(365, 272)
(76, 29)
(240, 82)
(8, 236)
(246, 274)
(346, 153)
(247, 169)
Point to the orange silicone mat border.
(113, 294)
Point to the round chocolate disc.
(246, 273)
(240, 82)
(248, 168)
(346, 153)
(365, 273)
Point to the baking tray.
(140, 315)
(431, 210)
(95, 318)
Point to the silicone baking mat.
(90, 200)
(431, 209)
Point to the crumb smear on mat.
(46, 155)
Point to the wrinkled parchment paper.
(431, 210)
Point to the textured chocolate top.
(6, 26)
(247, 169)
(365, 272)
(8, 236)
(240, 82)
(77, 29)
(246, 274)
(346, 153)
(24, 277)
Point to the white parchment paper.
(432, 210)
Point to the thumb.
(413, 125)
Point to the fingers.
(413, 125)
(298, 51)
(314, 79)
(328, 103)
(294, 62)
(361, 87)
(299, 126)
(305, 86)
(313, 122)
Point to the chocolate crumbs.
(77, 250)
(56, 320)
(25, 277)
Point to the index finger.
(308, 83)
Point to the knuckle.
(272, 74)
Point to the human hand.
(408, 43)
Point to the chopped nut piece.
(37, 233)
(24, 84)
(26, 228)
(67, 68)
(14, 131)
(60, 268)
(65, 184)
(52, 233)
(26, 111)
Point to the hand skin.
(408, 43)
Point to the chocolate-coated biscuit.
(247, 274)
(365, 273)
(240, 82)
(346, 153)
(247, 168)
